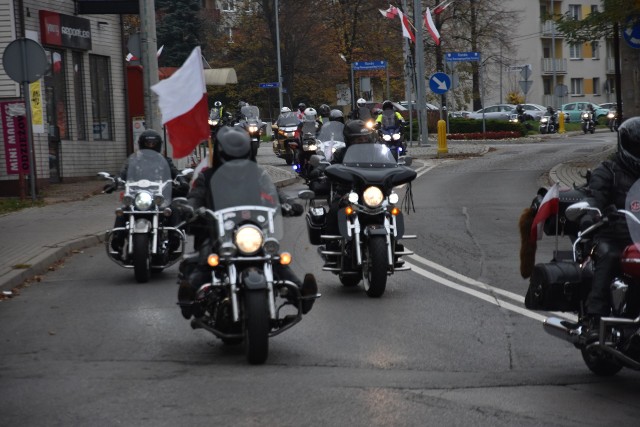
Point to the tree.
(178, 29)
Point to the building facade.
(79, 106)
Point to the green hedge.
(460, 125)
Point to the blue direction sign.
(369, 65)
(462, 56)
(269, 85)
(631, 32)
(439, 83)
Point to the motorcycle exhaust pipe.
(559, 329)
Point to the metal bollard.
(561, 122)
(442, 137)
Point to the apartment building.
(561, 72)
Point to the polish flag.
(431, 27)
(131, 57)
(548, 207)
(389, 13)
(406, 30)
(182, 99)
(441, 7)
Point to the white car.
(494, 112)
(535, 110)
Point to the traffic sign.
(525, 72)
(525, 85)
(269, 85)
(462, 56)
(439, 83)
(631, 32)
(24, 60)
(369, 65)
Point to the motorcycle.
(549, 124)
(216, 121)
(612, 120)
(588, 124)
(564, 283)
(250, 121)
(242, 302)
(369, 220)
(308, 148)
(392, 138)
(286, 136)
(150, 243)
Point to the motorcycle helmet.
(285, 110)
(324, 110)
(151, 140)
(336, 115)
(217, 104)
(629, 143)
(232, 143)
(361, 102)
(387, 105)
(310, 114)
(242, 104)
(302, 106)
(357, 132)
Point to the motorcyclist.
(232, 144)
(148, 140)
(361, 112)
(324, 110)
(300, 111)
(382, 121)
(239, 116)
(609, 185)
(336, 115)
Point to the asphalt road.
(448, 344)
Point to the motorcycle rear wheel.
(256, 311)
(141, 264)
(599, 362)
(374, 269)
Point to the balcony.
(548, 27)
(548, 65)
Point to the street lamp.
(353, 95)
(278, 54)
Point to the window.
(229, 5)
(56, 95)
(610, 85)
(595, 50)
(575, 51)
(596, 86)
(546, 83)
(594, 8)
(101, 97)
(78, 95)
(574, 11)
(229, 32)
(576, 87)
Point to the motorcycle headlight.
(213, 122)
(312, 147)
(370, 124)
(353, 197)
(253, 129)
(158, 199)
(143, 201)
(396, 136)
(372, 197)
(610, 115)
(386, 137)
(248, 239)
(127, 200)
(544, 120)
(393, 198)
(585, 115)
(271, 246)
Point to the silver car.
(494, 112)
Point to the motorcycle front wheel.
(141, 264)
(374, 269)
(256, 310)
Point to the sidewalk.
(77, 215)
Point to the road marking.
(483, 296)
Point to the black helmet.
(357, 132)
(629, 143)
(302, 106)
(336, 115)
(387, 105)
(324, 110)
(242, 104)
(151, 140)
(232, 143)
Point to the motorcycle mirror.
(576, 210)
(104, 175)
(405, 160)
(306, 194)
(187, 171)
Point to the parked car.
(405, 104)
(572, 110)
(609, 105)
(535, 110)
(462, 114)
(494, 112)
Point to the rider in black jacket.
(232, 143)
(609, 184)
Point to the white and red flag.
(548, 207)
(441, 7)
(389, 13)
(406, 26)
(431, 27)
(182, 99)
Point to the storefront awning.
(220, 76)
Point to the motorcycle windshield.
(331, 131)
(214, 114)
(288, 119)
(369, 156)
(149, 170)
(245, 191)
(250, 112)
(632, 205)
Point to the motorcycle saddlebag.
(315, 224)
(557, 286)
(564, 226)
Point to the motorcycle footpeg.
(330, 269)
(405, 252)
(334, 253)
(330, 237)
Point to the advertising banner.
(14, 131)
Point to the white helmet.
(217, 104)
(361, 102)
(285, 110)
(310, 113)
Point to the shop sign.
(69, 31)
(14, 131)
